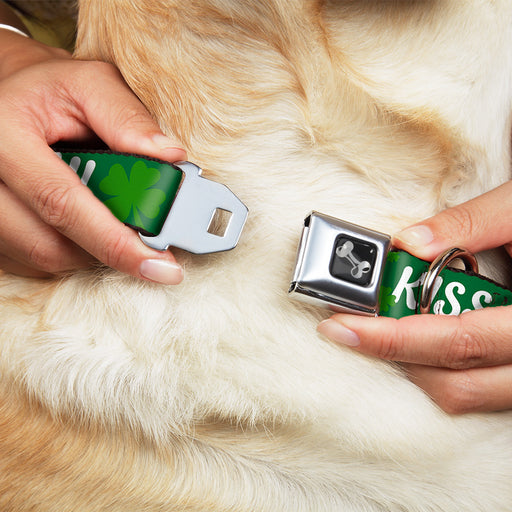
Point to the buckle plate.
(339, 265)
(188, 222)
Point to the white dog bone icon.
(358, 267)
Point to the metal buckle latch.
(189, 219)
(339, 265)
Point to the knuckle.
(460, 394)
(133, 116)
(131, 123)
(54, 204)
(465, 348)
(43, 257)
(461, 220)
(80, 86)
(386, 349)
(115, 251)
(98, 69)
(389, 346)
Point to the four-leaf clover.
(133, 193)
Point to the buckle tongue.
(187, 225)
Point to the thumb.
(119, 118)
(479, 224)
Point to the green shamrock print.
(133, 195)
(386, 299)
(393, 256)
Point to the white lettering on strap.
(75, 162)
(477, 298)
(451, 288)
(89, 169)
(409, 288)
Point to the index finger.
(51, 189)
(474, 339)
(478, 224)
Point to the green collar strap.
(348, 268)
(169, 204)
(454, 291)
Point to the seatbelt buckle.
(193, 212)
(339, 265)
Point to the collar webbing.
(455, 290)
(138, 191)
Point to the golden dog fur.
(218, 395)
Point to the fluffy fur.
(218, 395)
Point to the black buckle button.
(353, 260)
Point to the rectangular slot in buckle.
(190, 222)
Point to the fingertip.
(416, 236)
(339, 333)
(144, 262)
(169, 148)
(418, 240)
(161, 271)
(153, 145)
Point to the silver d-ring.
(427, 288)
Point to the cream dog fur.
(218, 394)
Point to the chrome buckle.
(339, 265)
(187, 225)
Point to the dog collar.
(169, 204)
(352, 269)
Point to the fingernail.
(338, 333)
(416, 236)
(164, 143)
(161, 271)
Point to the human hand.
(50, 222)
(463, 362)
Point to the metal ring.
(427, 288)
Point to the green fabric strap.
(139, 191)
(457, 292)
